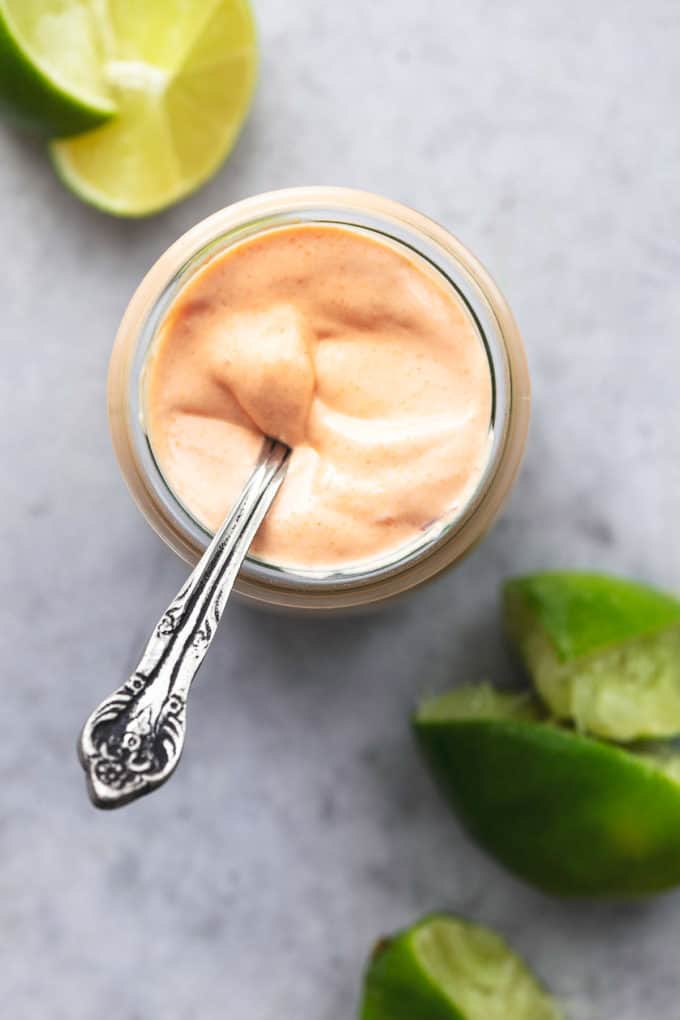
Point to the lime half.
(568, 813)
(51, 54)
(603, 652)
(445, 968)
(182, 77)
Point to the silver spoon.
(132, 742)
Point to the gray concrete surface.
(301, 824)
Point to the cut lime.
(602, 651)
(568, 813)
(51, 65)
(182, 77)
(445, 968)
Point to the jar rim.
(401, 227)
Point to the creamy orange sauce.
(349, 351)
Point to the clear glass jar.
(443, 544)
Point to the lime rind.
(54, 98)
(569, 813)
(447, 968)
(397, 988)
(602, 653)
(582, 613)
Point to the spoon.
(132, 742)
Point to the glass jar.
(444, 543)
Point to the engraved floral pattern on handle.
(130, 750)
(132, 742)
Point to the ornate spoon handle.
(133, 741)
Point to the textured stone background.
(301, 824)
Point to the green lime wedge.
(445, 968)
(51, 65)
(602, 652)
(568, 813)
(182, 77)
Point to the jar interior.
(432, 258)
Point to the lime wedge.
(182, 77)
(445, 968)
(602, 652)
(51, 65)
(568, 813)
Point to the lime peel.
(50, 67)
(582, 613)
(569, 813)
